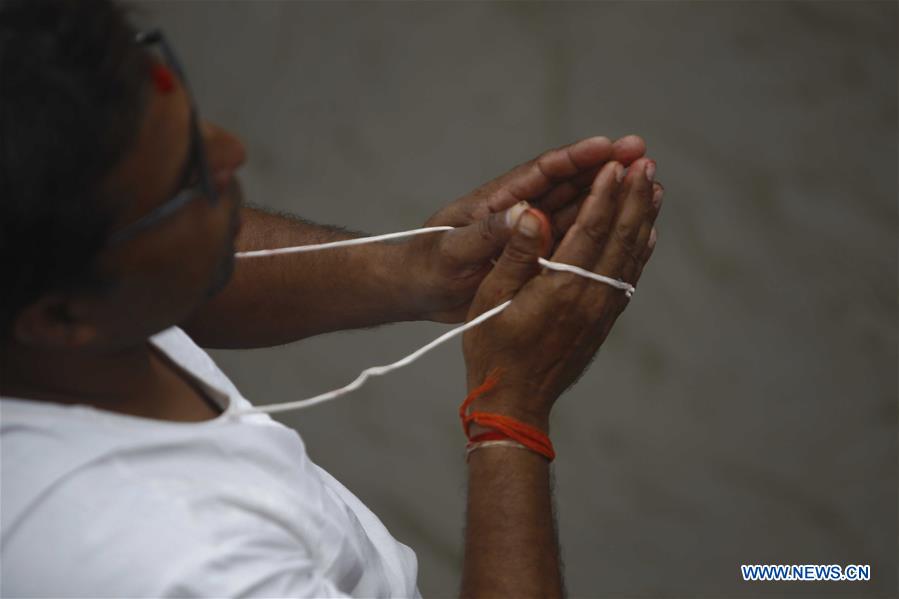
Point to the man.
(120, 213)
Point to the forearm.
(511, 548)
(278, 299)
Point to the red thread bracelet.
(504, 426)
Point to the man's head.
(90, 142)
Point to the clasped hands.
(447, 269)
(594, 205)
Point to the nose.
(224, 151)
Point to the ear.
(54, 321)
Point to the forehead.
(144, 176)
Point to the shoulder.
(88, 496)
(104, 530)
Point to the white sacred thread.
(496, 443)
(382, 370)
(626, 287)
(376, 370)
(337, 244)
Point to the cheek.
(188, 247)
(167, 272)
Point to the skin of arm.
(279, 299)
(511, 544)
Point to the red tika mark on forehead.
(162, 78)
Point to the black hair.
(73, 86)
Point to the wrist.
(510, 404)
(510, 409)
(398, 278)
(513, 426)
(511, 395)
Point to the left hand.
(447, 268)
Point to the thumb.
(483, 239)
(518, 263)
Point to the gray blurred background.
(744, 409)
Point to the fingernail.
(529, 224)
(514, 212)
(619, 173)
(657, 198)
(653, 237)
(650, 170)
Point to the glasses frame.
(204, 185)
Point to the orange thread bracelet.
(504, 426)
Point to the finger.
(483, 239)
(649, 221)
(648, 231)
(563, 194)
(517, 264)
(630, 272)
(534, 178)
(657, 198)
(647, 253)
(625, 247)
(584, 241)
(566, 192)
(627, 149)
(564, 218)
(658, 194)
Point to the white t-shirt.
(98, 504)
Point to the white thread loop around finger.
(560, 266)
(382, 370)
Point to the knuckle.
(487, 228)
(519, 255)
(626, 236)
(634, 255)
(565, 287)
(541, 166)
(597, 232)
(545, 156)
(627, 266)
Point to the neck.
(137, 380)
(69, 376)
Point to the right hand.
(544, 340)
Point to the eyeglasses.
(198, 163)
